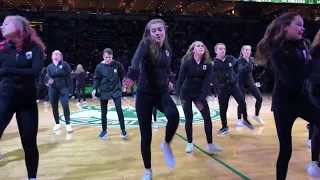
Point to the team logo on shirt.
(204, 67)
(230, 65)
(115, 71)
(167, 53)
(91, 116)
(60, 66)
(29, 55)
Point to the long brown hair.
(79, 69)
(273, 37)
(189, 53)
(26, 34)
(154, 48)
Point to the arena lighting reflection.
(283, 1)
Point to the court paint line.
(209, 155)
(216, 159)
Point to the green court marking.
(216, 159)
(213, 157)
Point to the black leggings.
(187, 109)
(144, 105)
(285, 115)
(63, 95)
(27, 120)
(154, 113)
(104, 110)
(254, 90)
(81, 91)
(224, 96)
(42, 92)
(314, 135)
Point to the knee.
(259, 99)
(65, 105)
(118, 108)
(285, 149)
(243, 103)
(29, 142)
(146, 139)
(173, 114)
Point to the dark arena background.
(82, 29)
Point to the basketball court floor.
(82, 156)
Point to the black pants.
(144, 105)
(285, 115)
(61, 94)
(187, 109)
(27, 119)
(154, 113)
(314, 135)
(254, 90)
(81, 91)
(224, 96)
(42, 92)
(104, 110)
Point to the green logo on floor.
(91, 116)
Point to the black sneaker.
(247, 124)
(224, 130)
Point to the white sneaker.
(46, 104)
(212, 148)
(68, 128)
(78, 104)
(33, 179)
(189, 148)
(168, 155)
(313, 170)
(85, 102)
(147, 175)
(155, 125)
(56, 127)
(308, 143)
(239, 122)
(258, 118)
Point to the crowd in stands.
(82, 40)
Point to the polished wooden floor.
(81, 155)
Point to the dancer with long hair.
(81, 76)
(224, 69)
(60, 87)
(246, 82)
(108, 78)
(193, 85)
(22, 59)
(154, 55)
(292, 66)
